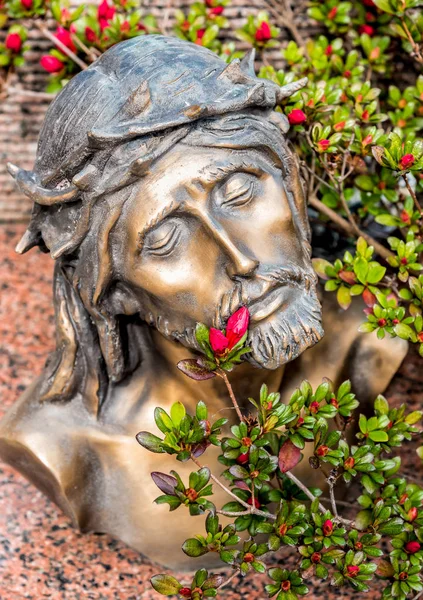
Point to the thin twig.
(228, 513)
(237, 572)
(251, 509)
(30, 93)
(221, 373)
(339, 502)
(346, 226)
(414, 45)
(92, 52)
(61, 46)
(413, 195)
(305, 489)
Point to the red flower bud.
(217, 10)
(237, 326)
(300, 421)
(323, 145)
(374, 54)
(404, 260)
(263, 33)
(412, 547)
(125, 27)
(334, 402)
(403, 499)
(13, 42)
(349, 463)
(358, 546)
(316, 557)
(420, 336)
(286, 585)
(347, 74)
(185, 592)
(296, 117)
(327, 527)
(51, 63)
(248, 557)
(369, 298)
(365, 116)
(105, 11)
(90, 35)
(314, 407)
(353, 570)
(191, 494)
(382, 322)
(367, 140)
(339, 126)
(185, 26)
(243, 459)
(407, 161)
(218, 341)
(405, 217)
(328, 50)
(369, 3)
(64, 36)
(395, 321)
(256, 502)
(283, 529)
(322, 450)
(412, 513)
(246, 441)
(402, 103)
(403, 576)
(27, 4)
(366, 29)
(332, 13)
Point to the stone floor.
(41, 556)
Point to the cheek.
(190, 281)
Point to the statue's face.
(210, 230)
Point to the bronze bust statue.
(165, 190)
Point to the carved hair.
(80, 184)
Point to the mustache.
(247, 291)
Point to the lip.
(267, 305)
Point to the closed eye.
(240, 196)
(163, 240)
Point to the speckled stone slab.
(41, 555)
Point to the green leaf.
(150, 442)
(177, 413)
(165, 584)
(194, 548)
(378, 436)
(361, 269)
(201, 411)
(343, 296)
(194, 369)
(363, 519)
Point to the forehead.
(184, 173)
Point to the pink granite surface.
(41, 556)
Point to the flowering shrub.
(356, 127)
(267, 499)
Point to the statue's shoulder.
(346, 353)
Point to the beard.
(280, 337)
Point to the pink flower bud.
(332, 13)
(51, 63)
(296, 117)
(217, 10)
(413, 512)
(218, 341)
(407, 161)
(412, 547)
(237, 326)
(366, 29)
(327, 527)
(323, 145)
(14, 42)
(90, 35)
(263, 33)
(353, 570)
(64, 36)
(27, 4)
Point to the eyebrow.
(210, 174)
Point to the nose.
(239, 264)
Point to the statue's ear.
(77, 365)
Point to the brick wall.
(21, 115)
